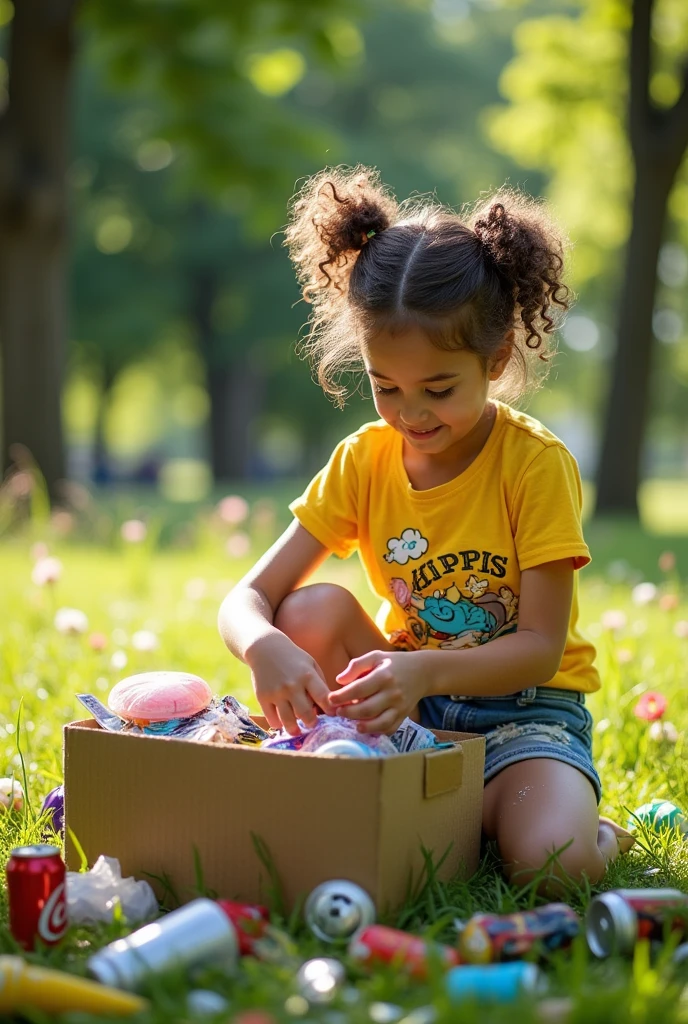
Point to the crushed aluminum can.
(336, 910)
(319, 980)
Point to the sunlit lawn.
(174, 593)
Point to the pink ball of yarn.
(159, 696)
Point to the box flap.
(443, 771)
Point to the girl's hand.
(379, 690)
(288, 683)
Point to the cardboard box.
(149, 801)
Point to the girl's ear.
(500, 359)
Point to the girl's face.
(434, 398)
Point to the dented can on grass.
(618, 919)
(379, 944)
(493, 937)
(200, 934)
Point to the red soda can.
(487, 938)
(378, 944)
(617, 919)
(249, 920)
(36, 891)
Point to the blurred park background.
(148, 151)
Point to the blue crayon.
(493, 983)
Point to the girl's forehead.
(390, 353)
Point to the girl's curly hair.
(367, 263)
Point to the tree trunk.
(236, 396)
(658, 141)
(33, 225)
(100, 472)
(235, 387)
(619, 470)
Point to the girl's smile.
(437, 399)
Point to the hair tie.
(367, 235)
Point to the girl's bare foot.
(612, 839)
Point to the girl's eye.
(441, 394)
(384, 391)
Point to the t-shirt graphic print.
(447, 561)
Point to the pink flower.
(681, 629)
(668, 602)
(97, 641)
(233, 509)
(238, 545)
(39, 550)
(651, 706)
(624, 655)
(46, 570)
(667, 561)
(134, 531)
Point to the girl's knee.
(313, 612)
(552, 858)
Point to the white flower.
(662, 730)
(134, 531)
(614, 619)
(71, 621)
(145, 640)
(681, 629)
(118, 660)
(46, 570)
(643, 593)
(11, 795)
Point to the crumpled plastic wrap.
(91, 895)
(325, 730)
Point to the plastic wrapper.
(225, 720)
(325, 730)
(412, 736)
(91, 895)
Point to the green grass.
(175, 592)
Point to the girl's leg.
(328, 622)
(541, 805)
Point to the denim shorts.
(538, 722)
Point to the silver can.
(617, 919)
(319, 980)
(197, 935)
(336, 910)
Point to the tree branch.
(639, 74)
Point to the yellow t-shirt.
(447, 561)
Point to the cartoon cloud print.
(411, 544)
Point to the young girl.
(466, 514)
